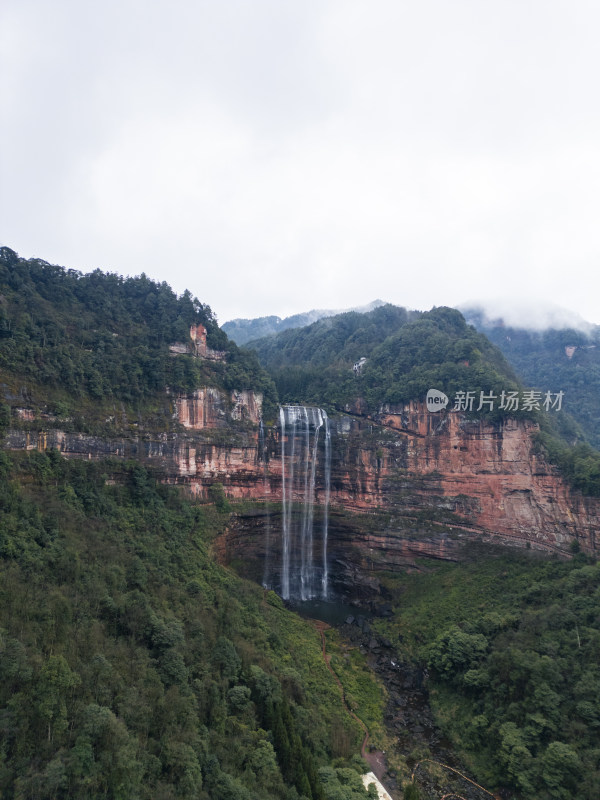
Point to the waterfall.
(325, 576)
(300, 436)
(285, 509)
(262, 456)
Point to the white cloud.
(278, 157)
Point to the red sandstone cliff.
(488, 475)
(408, 483)
(452, 472)
(209, 407)
(427, 485)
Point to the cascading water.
(262, 456)
(325, 576)
(300, 431)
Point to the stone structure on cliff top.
(197, 345)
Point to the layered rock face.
(406, 484)
(197, 346)
(477, 476)
(412, 484)
(211, 408)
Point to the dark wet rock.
(407, 715)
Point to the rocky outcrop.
(247, 406)
(204, 408)
(211, 408)
(200, 348)
(197, 346)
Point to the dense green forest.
(541, 359)
(66, 337)
(513, 648)
(133, 666)
(340, 340)
(407, 353)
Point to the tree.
(456, 651)
(516, 758)
(226, 659)
(4, 417)
(56, 678)
(560, 769)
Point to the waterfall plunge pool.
(332, 612)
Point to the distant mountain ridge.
(564, 356)
(246, 330)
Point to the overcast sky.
(275, 156)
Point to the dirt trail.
(322, 627)
(374, 759)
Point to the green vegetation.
(345, 782)
(579, 464)
(437, 350)
(133, 666)
(314, 364)
(513, 645)
(540, 359)
(407, 353)
(364, 695)
(69, 337)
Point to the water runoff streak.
(301, 577)
(262, 457)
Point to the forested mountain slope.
(512, 647)
(132, 665)
(87, 342)
(405, 353)
(561, 359)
